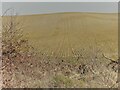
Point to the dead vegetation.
(15, 49)
(23, 67)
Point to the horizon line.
(61, 13)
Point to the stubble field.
(68, 34)
(73, 50)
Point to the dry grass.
(60, 34)
(72, 50)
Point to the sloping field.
(73, 50)
(69, 34)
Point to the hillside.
(62, 32)
(74, 50)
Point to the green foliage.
(62, 81)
